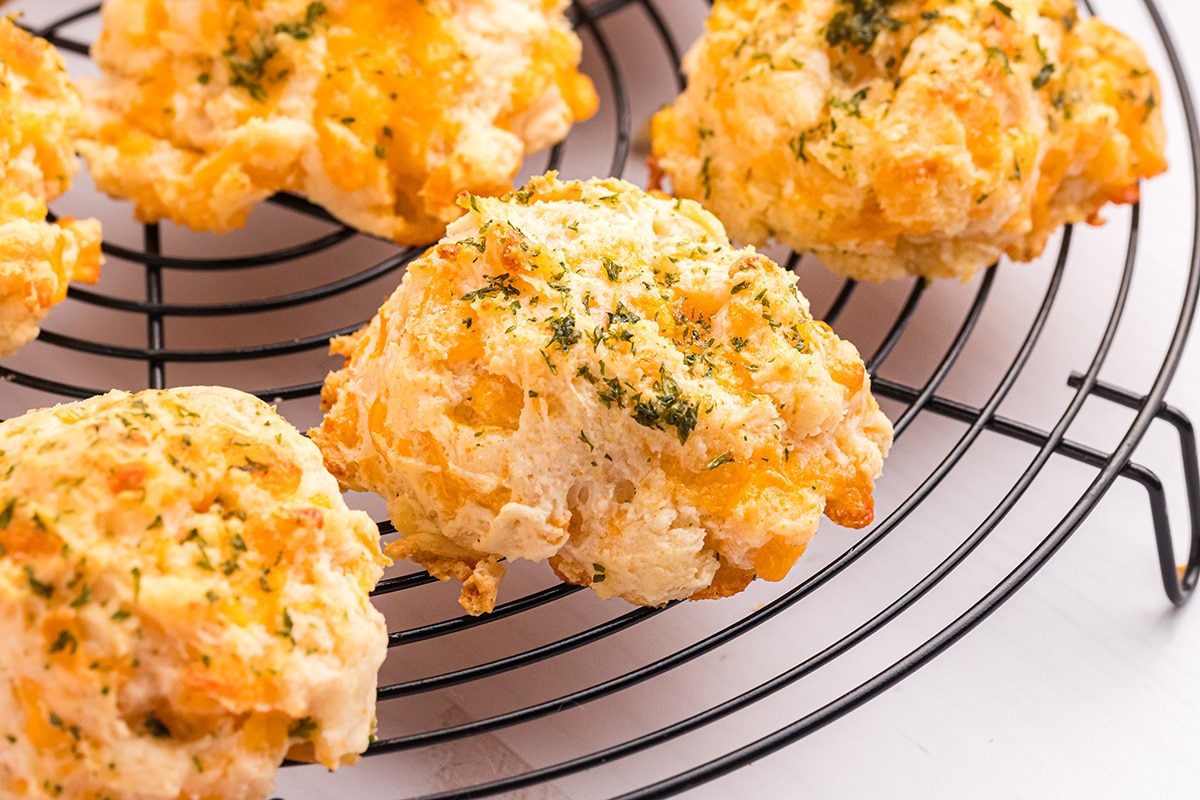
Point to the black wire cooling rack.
(558, 694)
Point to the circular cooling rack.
(1007, 436)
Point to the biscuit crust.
(588, 374)
(183, 600)
(40, 114)
(919, 137)
(379, 112)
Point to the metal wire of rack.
(553, 653)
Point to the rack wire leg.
(1178, 580)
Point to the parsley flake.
(724, 458)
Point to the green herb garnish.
(859, 23)
(667, 408)
(720, 460)
(1043, 76)
(303, 29)
(496, 285)
(564, 333)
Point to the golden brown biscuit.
(904, 137)
(183, 600)
(40, 113)
(380, 112)
(589, 374)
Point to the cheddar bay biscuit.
(40, 114)
(379, 112)
(585, 373)
(903, 137)
(183, 600)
